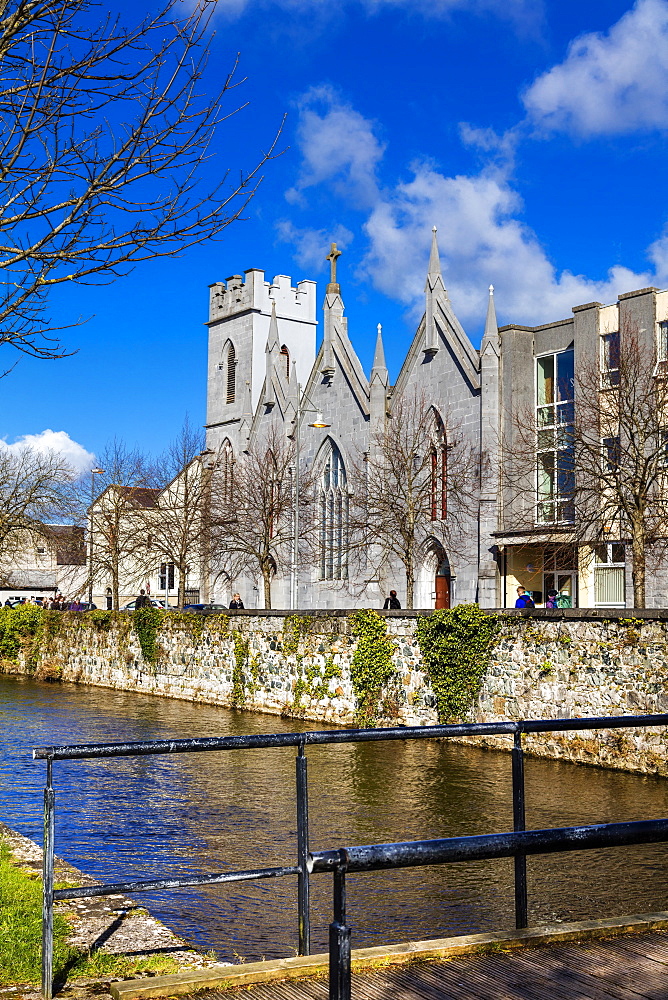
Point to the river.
(133, 818)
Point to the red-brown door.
(442, 592)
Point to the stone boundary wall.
(546, 664)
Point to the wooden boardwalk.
(624, 968)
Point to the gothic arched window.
(438, 472)
(333, 505)
(285, 355)
(231, 373)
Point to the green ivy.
(372, 667)
(313, 680)
(22, 628)
(241, 653)
(295, 627)
(145, 622)
(456, 646)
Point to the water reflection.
(136, 818)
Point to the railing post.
(303, 900)
(47, 885)
(521, 913)
(339, 938)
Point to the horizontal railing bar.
(265, 740)
(87, 891)
(375, 857)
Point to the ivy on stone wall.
(21, 629)
(456, 646)
(372, 668)
(146, 622)
(239, 670)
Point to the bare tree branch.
(103, 134)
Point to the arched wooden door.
(442, 585)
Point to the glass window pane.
(546, 476)
(545, 440)
(545, 416)
(618, 554)
(545, 380)
(565, 413)
(566, 375)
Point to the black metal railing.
(520, 841)
(380, 857)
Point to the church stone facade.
(263, 364)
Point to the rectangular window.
(611, 454)
(609, 575)
(610, 360)
(555, 474)
(166, 576)
(662, 342)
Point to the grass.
(21, 938)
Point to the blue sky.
(532, 134)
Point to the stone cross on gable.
(332, 257)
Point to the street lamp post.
(93, 473)
(318, 422)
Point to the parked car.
(154, 604)
(198, 608)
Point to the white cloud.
(58, 442)
(338, 147)
(611, 83)
(311, 246)
(482, 240)
(482, 235)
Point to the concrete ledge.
(226, 976)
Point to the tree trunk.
(266, 577)
(181, 600)
(410, 584)
(115, 587)
(639, 562)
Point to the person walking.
(524, 600)
(236, 604)
(392, 602)
(142, 601)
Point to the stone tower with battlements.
(254, 325)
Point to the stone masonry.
(546, 664)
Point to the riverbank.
(97, 941)
(542, 664)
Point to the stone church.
(264, 366)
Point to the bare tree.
(103, 134)
(420, 478)
(117, 519)
(598, 455)
(178, 527)
(34, 489)
(253, 508)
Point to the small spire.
(491, 327)
(434, 269)
(246, 421)
(248, 404)
(379, 356)
(293, 387)
(272, 337)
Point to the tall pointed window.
(231, 364)
(333, 504)
(438, 472)
(285, 358)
